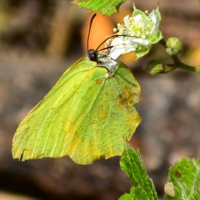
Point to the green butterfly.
(88, 114)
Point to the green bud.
(155, 67)
(173, 46)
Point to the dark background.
(39, 40)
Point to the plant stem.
(179, 64)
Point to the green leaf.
(142, 51)
(87, 115)
(107, 7)
(155, 67)
(185, 178)
(143, 188)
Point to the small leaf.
(107, 7)
(143, 187)
(155, 67)
(185, 177)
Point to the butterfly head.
(93, 55)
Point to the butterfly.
(88, 114)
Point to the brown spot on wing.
(127, 97)
(98, 81)
(103, 115)
(94, 121)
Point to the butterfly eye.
(92, 54)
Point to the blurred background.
(39, 40)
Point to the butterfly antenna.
(109, 47)
(90, 29)
(109, 38)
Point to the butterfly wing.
(86, 115)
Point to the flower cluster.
(138, 33)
